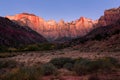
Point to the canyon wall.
(53, 30)
(110, 16)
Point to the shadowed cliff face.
(14, 35)
(53, 30)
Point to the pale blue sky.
(58, 9)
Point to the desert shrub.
(7, 64)
(62, 45)
(81, 66)
(107, 63)
(48, 69)
(46, 46)
(31, 73)
(60, 62)
(3, 49)
(24, 73)
(85, 66)
(43, 46)
(93, 77)
(38, 47)
(8, 54)
(34, 47)
(11, 49)
(111, 60)
(68, 66)
(94, 66)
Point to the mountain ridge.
(105, 38)
(53, 30)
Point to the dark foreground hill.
(14, 35)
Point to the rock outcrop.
(110, 17)
(53, 30)
(14, 35)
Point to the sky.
(67, 10)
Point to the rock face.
(14, 35)
(53, 30)
(105, 38)
(110, 16)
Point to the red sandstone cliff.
(105, 39)
(53, 30)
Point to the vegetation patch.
(48, 69)
(7, 64)
(60, 62)
(24, 73)
(83, 66)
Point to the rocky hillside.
(53, 30)
(100, 39)
(104, 38)
(14, 35)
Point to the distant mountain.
(104, 38)
(53, 30)
(14, 35)
(84, 34)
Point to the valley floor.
(39, 57)
(30, 58)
